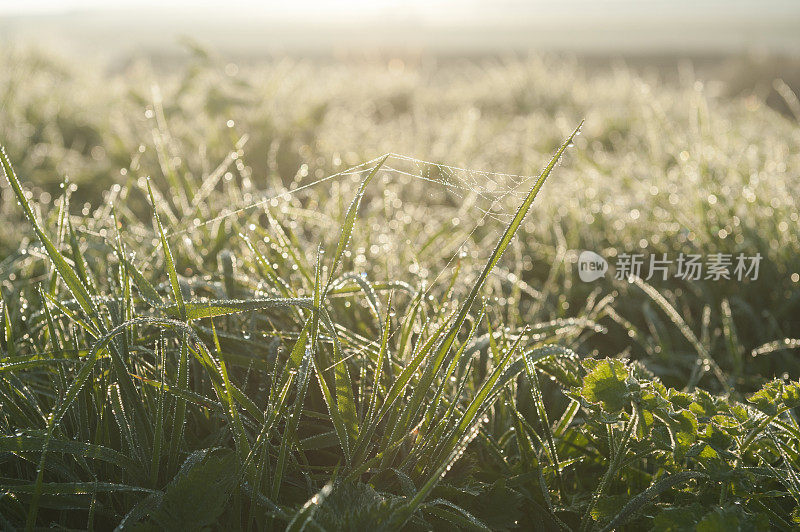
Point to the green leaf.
(776, 395)
(678, 519)
(196, 498)
(609, 385)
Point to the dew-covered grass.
(297, 295)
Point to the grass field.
(224, 305)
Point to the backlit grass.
(237, 314)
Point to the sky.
(327, 6)
(55, 6)
(468, 26)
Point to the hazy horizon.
(314, 26)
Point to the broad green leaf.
(609, 385)
(776, 395)
(196, 497)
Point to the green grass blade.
(61, 407)
(51, 327)
(349, 222)
(303, 516)
(401, 517)
(346, 414)
(293, 422)
(170, 263)
(501, 246)
(398, 387)
(541, 412)
(275, 408)
(367, 288)
(74, 316)
(77, 256)
(158, 437)
(74, 284)
(7, 338)
(143, 286)
(370, 426)
(35, 443)
(180, 404)
(195, 310)
(456, 324)
(735, 349)
(479, 401)
(240, 437)
(72, 488)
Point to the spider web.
(486, 190)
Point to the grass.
(271, 332)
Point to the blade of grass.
(7, 338)
(541, 412)
(370, 426)
(349, 222)
(342, 408)
(74, 284)
(170, 263)
(240, 437)
(180, 404)
(293, 421)
(446, 343)
(303, 516)
(159, 421)
(479, 401)
(195, 310)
